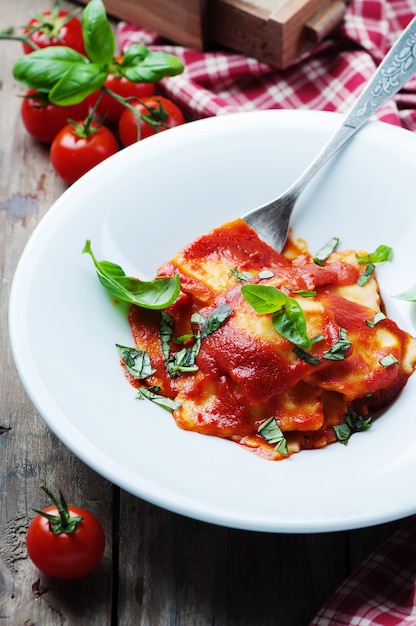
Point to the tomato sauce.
(245, 371)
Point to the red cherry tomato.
(163, 112)
(73, 155)
(69, 547)
(112, 110)
(55, 29)
(43, 119)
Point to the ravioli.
(232, 373)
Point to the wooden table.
(159, 567)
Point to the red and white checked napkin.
(328, 78)
(382, 591)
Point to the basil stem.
(154, 294)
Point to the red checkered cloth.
(382, 591)
(328, 78)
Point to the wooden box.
(273, 31)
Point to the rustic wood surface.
(159, 567)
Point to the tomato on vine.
(79, 146)
(43, 119)
(156, 114)
(54, 28)
(65, 541)
(108, 107)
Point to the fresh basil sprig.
(154, 294)
(288, 317)
(68, 77)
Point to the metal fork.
(271, 221)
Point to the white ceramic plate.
(141, 206)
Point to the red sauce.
(247, 372)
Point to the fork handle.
(396, 69)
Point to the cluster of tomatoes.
(84, 134)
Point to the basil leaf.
(79, 82)
(137, 362)
(265, 274)
(141, 65)
(366, 275)
(409, 295)
(271, 432)
(264, 298)
(326, 251)
(378, 317)
(354, 423)
(305, 356)
(242, 276)
(290, 322)
(155, 294)
(214, 321)
(163, 401)
(98, 36)
(44, 68)
(381, 254)
(388, 360)
(337, 352)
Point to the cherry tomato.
(109, 108)
(43, 119)
(68, 548)
(164, 113)
(73, 155)
(55, 29)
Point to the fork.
(271, 221)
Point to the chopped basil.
(137, 362)
(366, 275)
(409, 295)
(381, 254)
(242, 276)
(165, 332)
(326, 251)
(214, 321)
(388, 360)
(304, 293)
(154, 294)
(354, 423)
(271, 432)
(378, 317)
(185, 360)
(163, 401)
(337, 352)
(305, 356)
(265, 274)
(288, 317)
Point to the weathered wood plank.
(29, 453)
